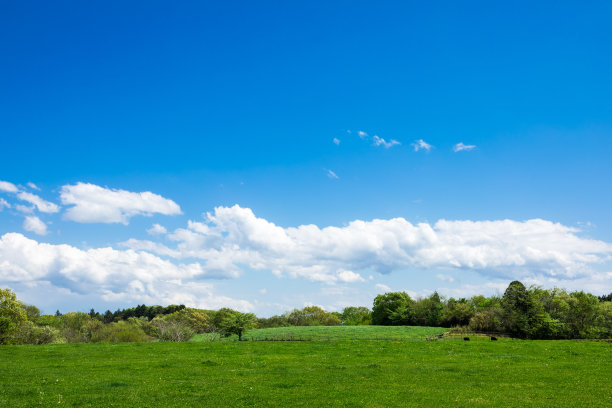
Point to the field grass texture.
(396, 373)
(296, 333)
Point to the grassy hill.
(333, 333)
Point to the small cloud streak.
(332, 175)
(461, 147)
(421, 145)
(379, 141)
(336, 141)
(362, 134)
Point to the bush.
(171, 330)
(120, 332)
(486, 321)
(30, 333)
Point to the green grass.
(445, 373)
(334, 333)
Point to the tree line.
(529, 313)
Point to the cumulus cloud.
(157, 229)
(92, 203)
(421, 145)
(33, 186)
(113, 275)
(8, 187)
(34, 224)
(336, 141)
(460, 147)
(332, 175)
(42, 205)
(233, 239)
(379, 141)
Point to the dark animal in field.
(466, 338)
(493, 338)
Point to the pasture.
(306, 333)
(368, 373)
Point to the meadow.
(344, 373)
(314, 333)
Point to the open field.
(449, 373)
(334, 333)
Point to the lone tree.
(234, 322)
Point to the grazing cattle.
(493, 338)
(466, 338)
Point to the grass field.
(334, 333)
(445, 373)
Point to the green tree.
(356, 316)
(237, 323)
(12, 314)
(392, 308)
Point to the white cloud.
(460, 146)
(379, 141)
(34, 224)
(24, 208)
(380, 287)
(332, 175)
(42, 205)
(349, 276)
(336, 141)
(33, 186)
(421, 145)
(93, 203)
(112, 275)
(3, 204)
(234, 239)
(8, 187)
(446, 278)
(362, 134)
(157, 229)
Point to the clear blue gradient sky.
(214, 104)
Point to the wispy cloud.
(4, 203)
(460, 147)
(379, 141)
(421, 145)
(380, 287)
(445, 278)
(34, 224)
(33, 186)
(362, 134)
(42, 205)
(332, 175)
(336, 141)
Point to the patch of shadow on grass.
(285, 385)
(209, 363)
(114, 384)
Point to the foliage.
(234, 322)
(12, 315)
(392, 308)
(312, 316)
(356, 316)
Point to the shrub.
(30, 333)
(171, 330)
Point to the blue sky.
(253, 113)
